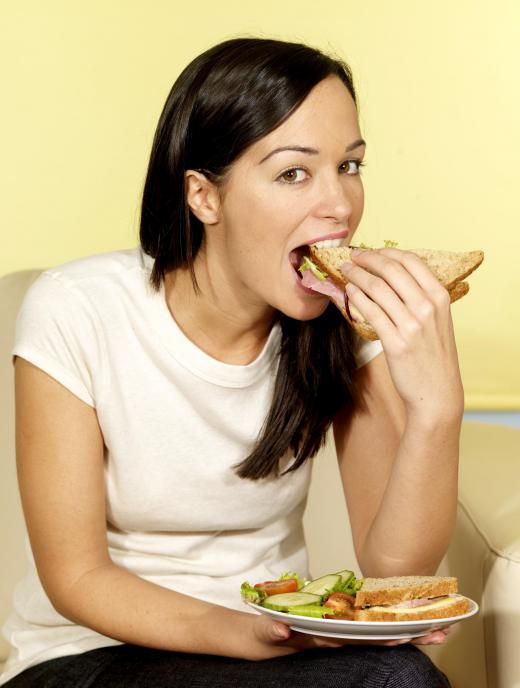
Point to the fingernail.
(356, 251)
(346, 267)
(281, 631)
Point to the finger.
(280, 631)
(378, 291)
(272, 632)
(374, 314)
(403, 271)
(434, 638)
(417, 268)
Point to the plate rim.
(367, 625)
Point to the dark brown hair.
(225, 100)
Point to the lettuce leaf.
(251, 594)
(307, 264)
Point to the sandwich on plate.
(321, 272)
(402, 598)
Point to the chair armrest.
(485, 556)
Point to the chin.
(304, 311)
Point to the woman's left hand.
(410, 311)
(434, 638)
(437, 637)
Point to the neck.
(228, 327)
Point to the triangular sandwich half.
(325, 276)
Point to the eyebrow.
(310, 151)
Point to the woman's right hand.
(271, 639)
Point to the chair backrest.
(12, 532)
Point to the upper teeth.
(328, 243)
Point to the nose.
(337, 199)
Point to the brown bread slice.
(458, 290)
(459, 605)
(396, 589)
(449, 267)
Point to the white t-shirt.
(174, 422)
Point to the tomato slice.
(278, 587)
(341, 598)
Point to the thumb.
(267, 630)
(280, 631)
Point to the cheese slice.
(434, 604)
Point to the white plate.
(364, 630)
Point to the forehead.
(328, 115)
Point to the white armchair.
(482, 652)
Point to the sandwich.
(400, 598)
(321, 272)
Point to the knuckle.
(399, 347)
(411, 257)
(412, 327)
(426, 310)
(392, 267)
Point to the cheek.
(360, 200)
(257, 218)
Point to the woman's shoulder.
(112, 265)
(91, 288)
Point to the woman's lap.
(128, 666)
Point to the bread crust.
(396, 589)
(458, 607)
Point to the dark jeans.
(130, 666)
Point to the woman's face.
(276, 202)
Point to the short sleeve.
(366, 350)
(56, 331)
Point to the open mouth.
(297, 255)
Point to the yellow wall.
(83, 84)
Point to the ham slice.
(325, 286)
(417, 603)
(330, 289)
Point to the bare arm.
(399, 476)
(60, 468)
(398, 452)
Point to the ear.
(202, 197)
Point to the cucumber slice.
(322, 586)
(284, 600)
(345, 576)
(313, 610)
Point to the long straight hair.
(225, 100)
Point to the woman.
(170, 398)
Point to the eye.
(352, 166)
(290, 175)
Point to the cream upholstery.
(484, 554)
